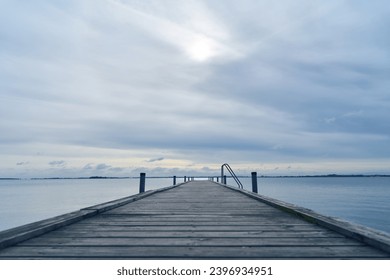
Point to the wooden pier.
(193, 220)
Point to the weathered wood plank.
(173, 212)
(223, 216)
(145, 228)
(191, 241)
(177, 252)
(189, 234)
(186, 223)
(200, 219)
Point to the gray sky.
(116, 87)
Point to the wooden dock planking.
(199, 219)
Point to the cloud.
(102, 166)
(155, 159)
(201, 82)
(194, 30)
(88, 166)
(23, 163)
(57, 163)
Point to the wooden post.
(174, 180)
(142, 182)
(185, 178)
(217, 179)
(254, 182)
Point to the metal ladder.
(234, 176)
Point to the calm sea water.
(364, 200)
(27, 201)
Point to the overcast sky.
(170, 87)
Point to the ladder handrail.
(240, 186)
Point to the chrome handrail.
(240, 186)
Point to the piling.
(254, 182)
(142, 182)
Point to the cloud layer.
(116, 86)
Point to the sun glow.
(202, 49)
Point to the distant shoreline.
(168, 177)
(323, 176)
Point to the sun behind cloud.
(202, 49)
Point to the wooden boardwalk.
(196, 220)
